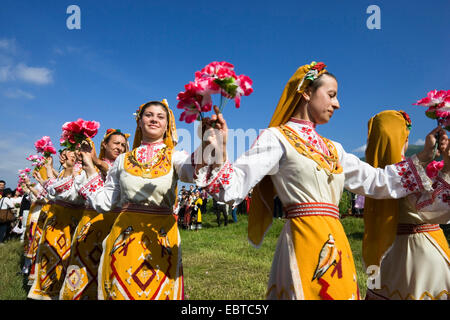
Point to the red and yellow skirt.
(313, 259)
(141, 257)
(81, 277)
(36, 238)
(30, 228)
(54, 250)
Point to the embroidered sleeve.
(94, 185)
(434, 206)
(393, 181)
(42, 192)
(103, 195)
(231, 182)
(213, 180)
(57, 187)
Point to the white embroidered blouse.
(121, 187)
(269, 156)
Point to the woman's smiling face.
(153, 122)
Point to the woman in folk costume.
(141, 256)
(313, 259)
(81, 277)
(37, 197)
(403, 236)
(62, 219)
(40, 192)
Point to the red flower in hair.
(319, 66)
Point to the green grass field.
(218, 262)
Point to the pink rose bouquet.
(215, 78)
(23, 174)
(438, 104)
(75, 132)
(45, 146)
(36, 161)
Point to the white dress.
(307, 191)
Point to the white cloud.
(35, 75)
(17, 94)
(13, 70)
(360, 149)
(420, 142)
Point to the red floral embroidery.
(313, 138)
(92, 186)
(409, 177)
(441, 191)
(223, 178)
(64, 187)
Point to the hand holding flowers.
(45, 146)
(215, 78)
(438, 104)
(77, 131)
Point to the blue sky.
(129, 52)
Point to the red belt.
(404, 228)
(146, 209)
(311, 209)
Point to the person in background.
(204, 196)
(197, 212)
(2, 187)
(277, 208)
(220, 208)
(359, 205)
(5, 204)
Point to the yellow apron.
(141, 257)
(54, 250)
(81, 277)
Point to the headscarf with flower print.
(388, 132)
(109, 133)
(170, 139)
(261, 208)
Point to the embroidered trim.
(158, 166)
(311, 209)
(410, 178)
(304, 122)
(330, 163)
(93, 185)
(404, 228)
(222, 178)
(64, 187)
(441, 190)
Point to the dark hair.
(154, 103)
(7, 191)
(2, 181)
(115, 134)
(316, 83)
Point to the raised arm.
(231, 182)
(102, 196)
